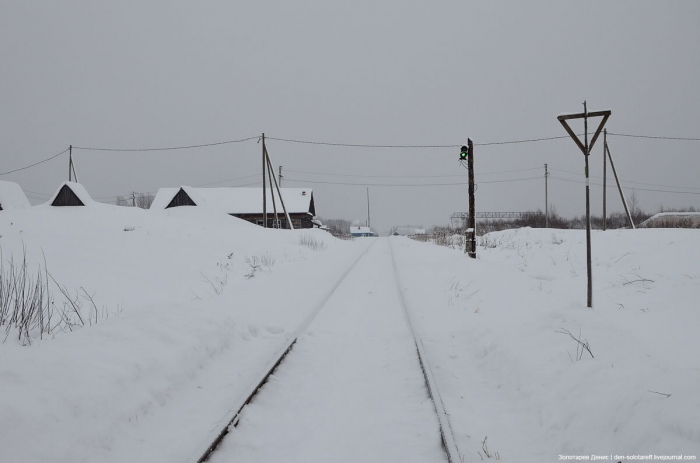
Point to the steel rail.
(231, 418)
(448, 440)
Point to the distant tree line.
(142, 200)
(536, 219)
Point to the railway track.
(232, 418)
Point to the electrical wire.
(640, 189)
(628, 181)
(652, 137)
(205, 145)
(229, 180)
(409, 184)
(153, 193)
(362, 145)
(409, 176)
(36, 163)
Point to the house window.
(259, 222)
(296, 223)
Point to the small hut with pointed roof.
(70, 194)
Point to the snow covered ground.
(492, 329)
(192, 305)
(149, 381)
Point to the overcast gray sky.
(135, 74)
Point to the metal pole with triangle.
(586, 149)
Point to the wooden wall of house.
(181, 199)
(300, 220)
(66, 197)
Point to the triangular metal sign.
(563, 118)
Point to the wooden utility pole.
(284, 208)
(280, 182)
(264, 166)
(133, 199)
(586, 148)
(275, 223)
(471, 245)
(71, 167)
(70, 163)
(368, 222)
(619, 187)
(546, 202)
(605, 177)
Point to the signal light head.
(463, 153)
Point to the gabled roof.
(70, 190)
(12, 197)
(239, 200)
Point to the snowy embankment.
(190, 306)
(508, 372)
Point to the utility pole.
(71, 166)
(264, 166)
(280, 182)
(605, 176)
(279, 193)
(586, 148)
(133, 198)
(368, 222)
(619, 187)
(472, 213)
(546, 203)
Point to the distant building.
(361, 231)
(12, 197)
(672, 220)
(244, 203)
(408, 230)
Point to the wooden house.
(244, 203)
(12, 197)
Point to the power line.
(151, 192)
(228, 180)
(411, 184)
(634, 188)
(205, 145)
(409, 176)
(363, 145)
(653, 137)
(628, 181)
(36, 163)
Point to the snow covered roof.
(239, 200)
(12, 196)
(77, 189)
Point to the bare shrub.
(28, 307)
(311, 242)
(487, 452)
(256, 264)
(581, 345)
